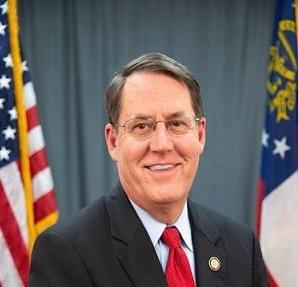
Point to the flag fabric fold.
(27, 200)
(277, 219)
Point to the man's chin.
(167, 194)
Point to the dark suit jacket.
(106, 245)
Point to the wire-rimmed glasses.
(143, 127)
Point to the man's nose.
(160, 140)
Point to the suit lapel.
(136, 254)
(141, 263)
(205, 237)
(132, 244)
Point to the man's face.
(159, 170)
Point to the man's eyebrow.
(142, 116)
(177, 114)
(146, 116)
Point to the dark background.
(74, 47)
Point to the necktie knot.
(171, 237)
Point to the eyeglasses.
(142, 128)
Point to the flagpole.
(22, 120)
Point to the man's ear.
(111, 141)
(202, 133)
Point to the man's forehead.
(144, 76)
(153, 85)
(150, 94)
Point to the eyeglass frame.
(196, 121)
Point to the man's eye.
(176, 123)
(141, 126)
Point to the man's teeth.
(161, 166)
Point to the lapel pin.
(214, 263)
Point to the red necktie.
(178, 272)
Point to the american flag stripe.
(32, 116)
(36, 141)
(11, 184)
(38, 162)
(13, 237)
(29, 94)
(9, 275)
(42, 183)
(44, 206)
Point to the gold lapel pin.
(214, 263)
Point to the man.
(147, 233)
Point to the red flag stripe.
(32, 117)
(272, 282)
(12, 235)
(38, 162)
(44, 206)
(260, 197)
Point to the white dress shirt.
(155, 229)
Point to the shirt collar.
(183, 225)
(155, 228)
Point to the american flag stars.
(25, 66)
(2, 100)
(4, 153)
(9, 133)
(8, 61)
(2, 28)
(4, 8)
(13, 113)
(4, 82)
(8, 113)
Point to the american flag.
(278, 192)
(27, 201)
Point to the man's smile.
(161, 166)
